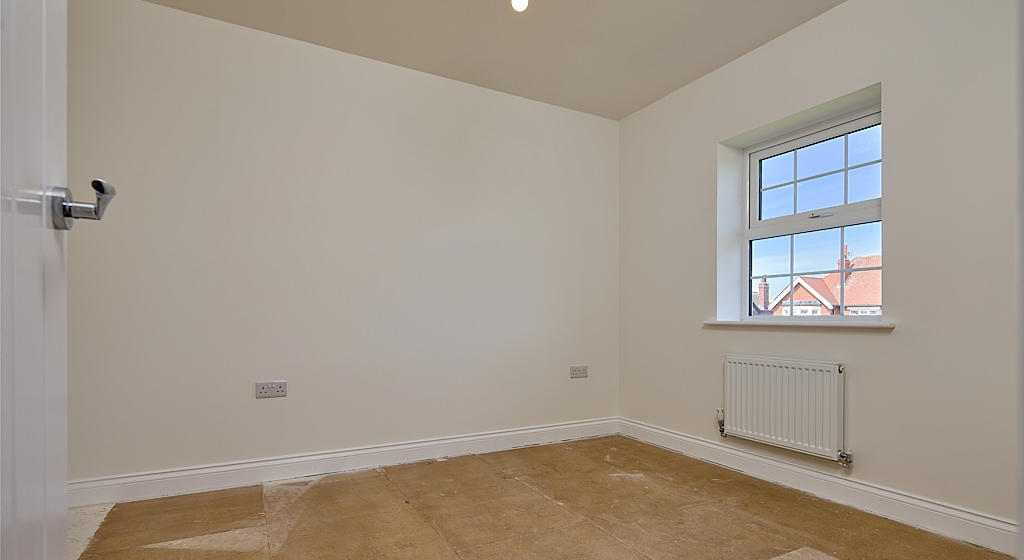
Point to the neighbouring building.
(861, 290)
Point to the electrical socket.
(578, 372)
(271, 389)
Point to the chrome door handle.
(65, 211)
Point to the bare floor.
(597, 499)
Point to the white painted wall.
(1020, 264)
(416, 256)
(933, 404)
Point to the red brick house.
(819, 295)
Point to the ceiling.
(606, 57)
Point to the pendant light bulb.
(520, 5)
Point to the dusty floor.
(597, 499)
(82, 525)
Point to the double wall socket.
(578, 372)
(271, 389)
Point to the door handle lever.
(65, 210)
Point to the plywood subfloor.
(597, 499)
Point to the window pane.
(777, 170)
(863, 292)
(866, 145)
(763, 292)
(821, 157)
(865, 182)
(864, 245)
(777, 202)
(819, 193)
(769, 256)
(816, 250)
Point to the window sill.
(803, 324)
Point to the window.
(813, 244)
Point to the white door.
(33, 355)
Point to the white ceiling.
(606, 57)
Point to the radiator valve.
(720, 417)
(845, 459)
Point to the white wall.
(932, 405)
(416, 256)
(1020, 263)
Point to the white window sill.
(805, 323)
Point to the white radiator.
(796, 404)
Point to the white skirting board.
(989, 531)
(187, 480)
(992, 532)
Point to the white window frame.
(814, 220)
